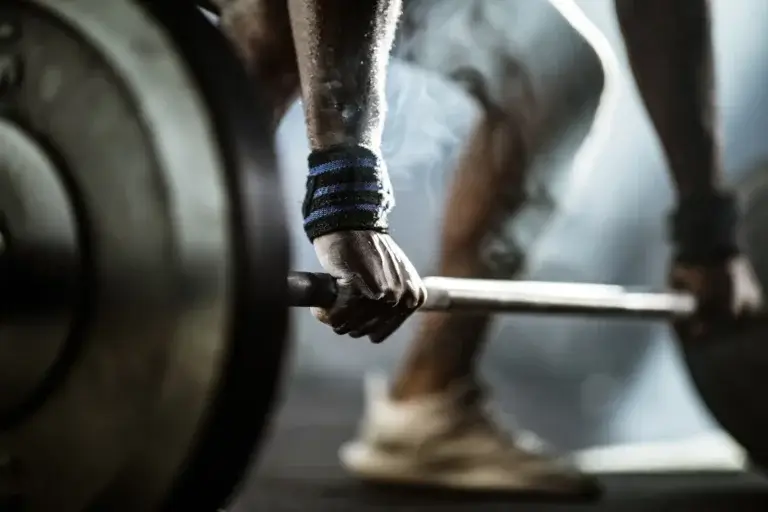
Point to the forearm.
(343, 50)
(669, 46)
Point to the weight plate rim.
(132, 63)
(731, 398)
(262, 300)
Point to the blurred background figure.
(616, 381)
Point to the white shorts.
(555, 85)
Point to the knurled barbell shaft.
(507, 296)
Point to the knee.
(584, 99)
(558, 96)
(599, 69)
(591, 77)
(593, 74)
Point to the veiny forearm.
(669, 45)
(343, 50)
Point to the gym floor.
(298, 471)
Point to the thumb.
(322, 315)
(348, 288)
(351, 284)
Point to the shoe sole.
(377, 467)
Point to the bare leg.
(261, 33)
(431, 427)
(527, 109)
(537, 98)
(487, 187)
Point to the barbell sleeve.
(311, 289)
(508, 296)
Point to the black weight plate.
(102, 90)
(730, 367)
(180, 353)
(259, 333)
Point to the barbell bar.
(307, 289)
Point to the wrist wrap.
(348, 188)
(704, 229)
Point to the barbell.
(144, 283)
(307, 289)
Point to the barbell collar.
(506, 296)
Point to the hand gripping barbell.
(144, 284)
